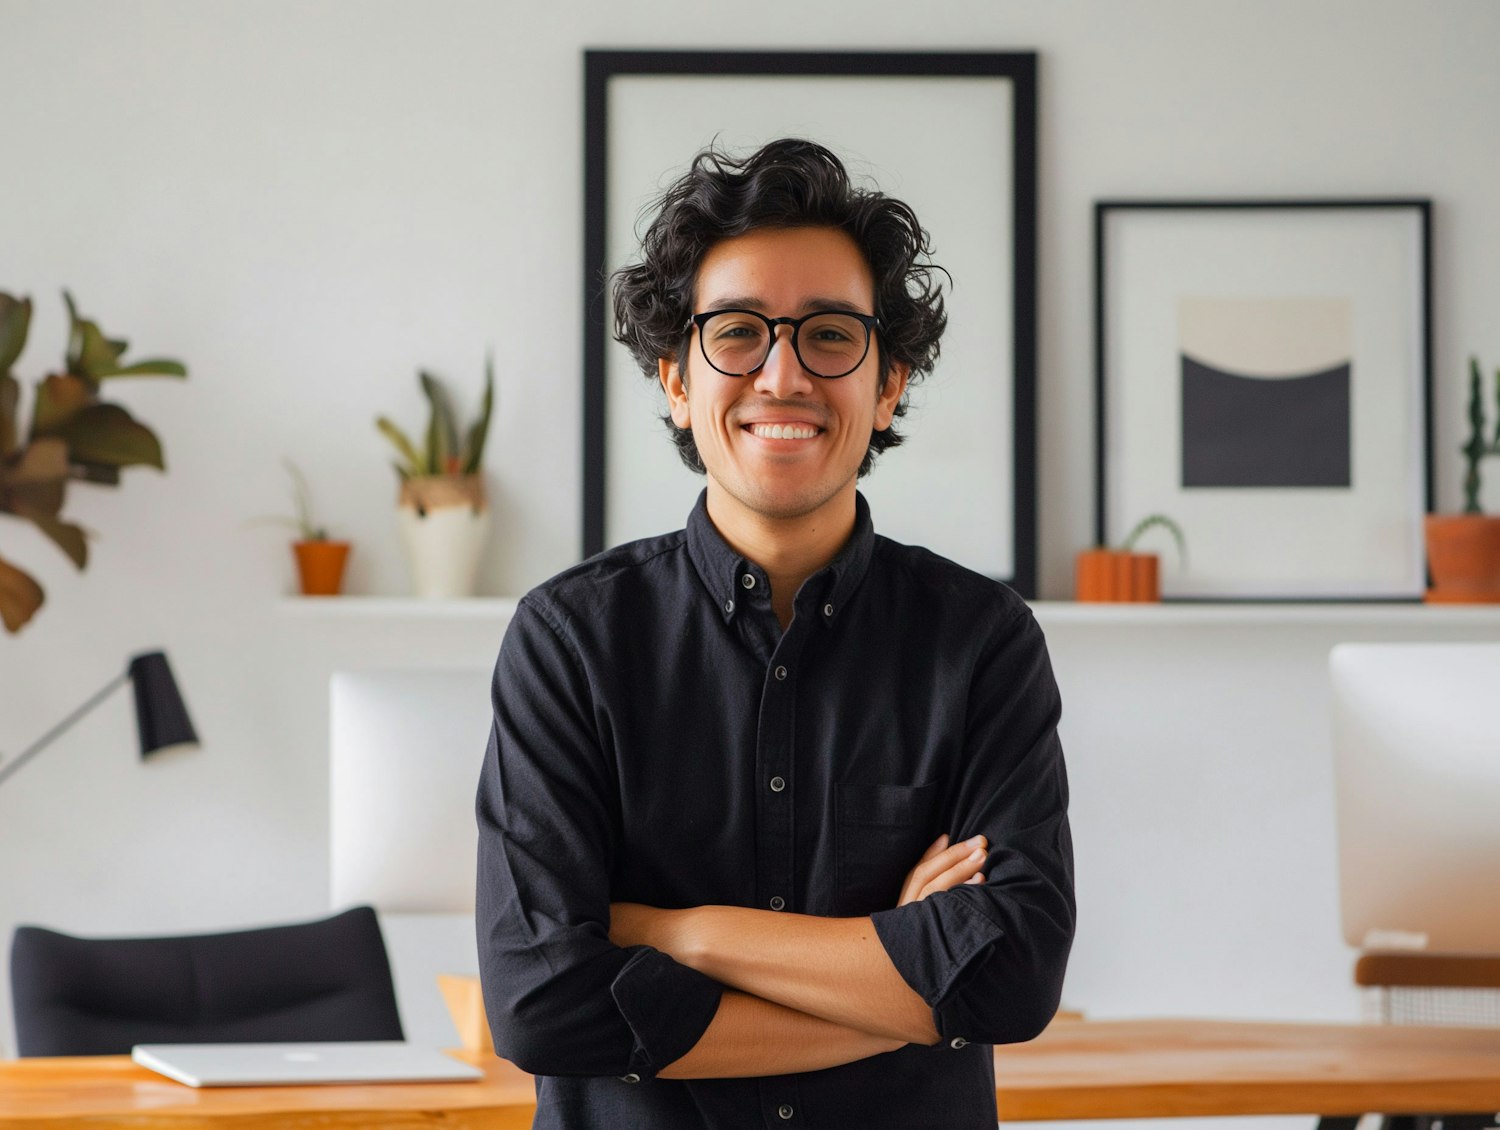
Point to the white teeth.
(784, 431)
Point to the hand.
(943, 867)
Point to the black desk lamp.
(161, 717)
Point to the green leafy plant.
(443, 453)
(1476, 448)
(308, 528)
(74, 435)
(1153, 521)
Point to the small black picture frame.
(1263, 374)
(965, 483)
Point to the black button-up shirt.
(659, 739)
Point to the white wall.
(306, 201)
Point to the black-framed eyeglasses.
(828, 343)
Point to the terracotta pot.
(1112, 575)
(320, 565)
(1463, 558)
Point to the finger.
(977, 877)
(937, 845)
(931, 867)
(918, 874)
(959, 873)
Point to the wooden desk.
(1204, 1068)
(112, 1091)
(1076, 1069)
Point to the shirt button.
(784, 1112)
(778, 903)
(780, 674)
(748, 580)
(777, 784)
(958, 1043)
(631, 1078)
(827, 610)
(729, 606)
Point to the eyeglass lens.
(830, 345)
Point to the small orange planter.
(1112, 576)
(1463, 556)
(320, 564)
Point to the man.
(772, 822)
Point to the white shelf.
(1060, 612)
(399, 607)
(1252, 614)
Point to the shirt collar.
(721, 569)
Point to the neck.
(789, 549)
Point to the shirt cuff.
(934, 943)
(667, 1006)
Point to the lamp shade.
(160, 714)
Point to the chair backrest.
(316, 981)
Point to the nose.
(782, 376)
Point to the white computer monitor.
(1416, 743)
(406, 747)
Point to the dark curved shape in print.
(1240, 431)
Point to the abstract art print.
(1262, 378)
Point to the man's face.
(824, 424)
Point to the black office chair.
(326, 980)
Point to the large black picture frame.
(1012, 455)
(1270, 513)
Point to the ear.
(676, 389)
(890, 396)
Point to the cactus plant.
(1476, 447)
(74, 435)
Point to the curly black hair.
(784, 184)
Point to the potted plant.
(320, 559)
(441, 505)
(74, 436)
(1114, 575)
(1463, 550)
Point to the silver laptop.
(249, 1065)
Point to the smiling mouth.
(784, 431)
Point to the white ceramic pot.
(444, 522)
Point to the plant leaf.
(403, 445)
(474, 442)
(107, 435)
(1166, 523)
(20, 596)
(103, 474)
(34, 485)
(89, 351)
(155, 367)
(10, 397)
(442, 434)
(59, 397)
(69, 538)
(42, 460)
(15, 320)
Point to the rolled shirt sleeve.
(561, 998)
(989, 958)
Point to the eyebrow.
(812, 302)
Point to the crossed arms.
(804, 992)
(579, 982)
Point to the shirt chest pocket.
(880, 833)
